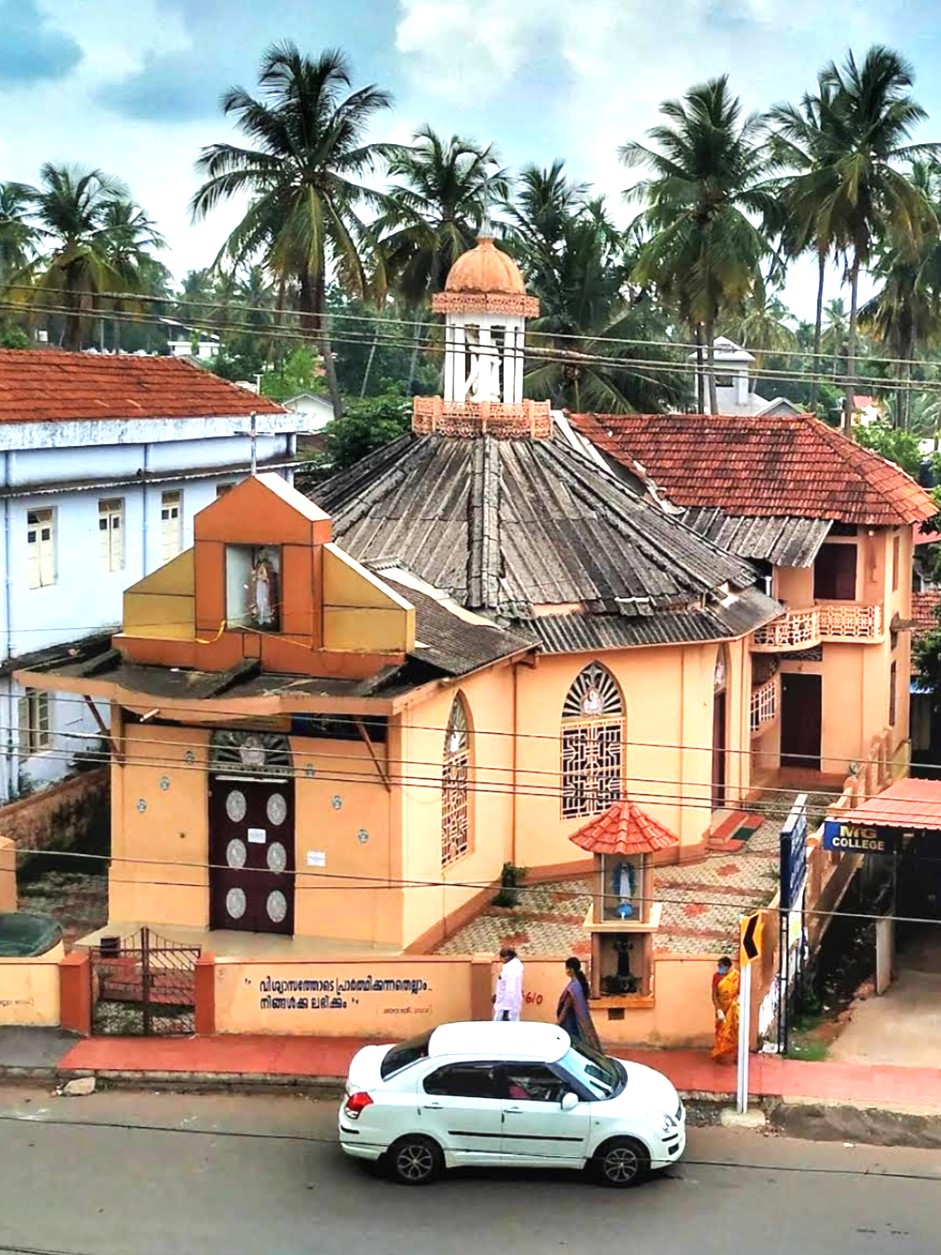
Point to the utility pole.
(254, 439)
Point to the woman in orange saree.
(725, 987)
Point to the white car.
(498, 1094)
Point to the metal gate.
(143, 985)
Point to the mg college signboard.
(850, 838)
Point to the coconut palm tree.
(804, 143)
(707, 164)
(82, 241)
(17, 233)
(435, 209)
(545, 202)
(864, 194)
(586, 309)
(763, 325)
(905, 314)
(303, 175)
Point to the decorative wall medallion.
(277, 809)
(141, 805)
(252, 752)
(236, 806)
(236, 852)
(277, 857)
(309, 771)
(189, 757)
(336, 801)
(235, 903)
(164, 783)
(277, 906)
(592, 702)
(362, 836)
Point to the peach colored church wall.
(680, 1014)
(160, 827)
(29, 989)
(344, 855)
(389, 999)
(668, 697)
(435, 892)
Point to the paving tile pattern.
(702, 901)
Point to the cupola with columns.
(485, 307)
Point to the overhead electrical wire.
(543, 356)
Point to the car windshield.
(402, 1056)
(602, 1076)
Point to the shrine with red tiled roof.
(624, 917)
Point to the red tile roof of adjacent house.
(908, 803)
(53, 386)
(924, 611)
(926, 538)
(760, 466)
(623, 829)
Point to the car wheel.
(620, 1163)
(414, 1160)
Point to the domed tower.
(485, 308)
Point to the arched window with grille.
(455, 824)
(592, 743)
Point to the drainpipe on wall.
(516, 735)
(8, 643)
(144, 486)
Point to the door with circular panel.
(251, 854)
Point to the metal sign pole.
(744, 1034)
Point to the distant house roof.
(623, 829)
(534, 533)
(54, 386)
(924, 611)
(760, 466)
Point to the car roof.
(500, 1040)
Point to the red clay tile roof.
(760, 466)
(908, 803)
(924, 608)
(926, 538)
(53, 386)
(623, 829)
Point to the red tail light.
(357, 1103)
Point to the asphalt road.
(158, 1174)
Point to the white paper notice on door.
(316, 858)
(257, 836)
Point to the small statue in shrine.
(263, 589)
(624, 889)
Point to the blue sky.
(132, 86)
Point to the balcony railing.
(827, 622)
(764, 704)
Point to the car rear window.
(404, 1055)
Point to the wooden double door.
(251, 854)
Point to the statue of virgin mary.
(264, 591)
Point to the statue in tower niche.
(263, 591)
(623, 887)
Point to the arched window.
(454, 772)
(592, 743)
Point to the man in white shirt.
(508, 1000)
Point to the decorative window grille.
(592, 743)
(34, 730)
(111, 533)
(41, 547)
(171, 524)
(455, 839)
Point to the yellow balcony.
(827, 622)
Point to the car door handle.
(513, 1111)
(433, 1106)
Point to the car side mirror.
(569, 1101)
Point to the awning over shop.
(906, 805)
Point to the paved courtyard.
(702, 901)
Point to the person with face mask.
(725, 987)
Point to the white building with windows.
(104, 460)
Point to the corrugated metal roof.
(565, 633)
(792, 542)
(508, 525)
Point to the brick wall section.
(57, 817)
